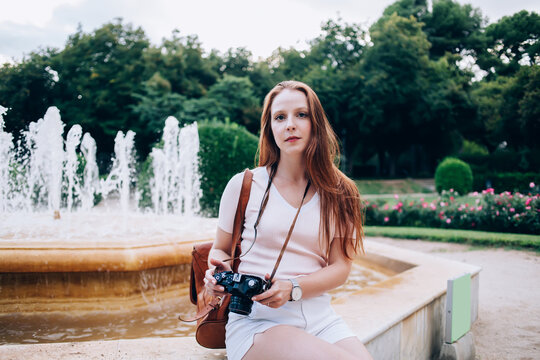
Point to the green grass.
(472, 237)
(406, 198)
(395, 186)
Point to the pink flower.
(399, 204)
(385, 207)
(527, 208)
(528, 201)
(479, 208)
(531, 185)
(386, 219)
(512, 210)
(396, 196)
(451, 198)
(422, 199)
(424, 205)
(497, 212)
(448, 221)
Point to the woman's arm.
(317, 283)
(221, 250)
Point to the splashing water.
(119, 179)
(48, 156)
(6, 159)
(73, 140)
(44, 172)
(176, 182)
(91, 172)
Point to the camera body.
(241, 287)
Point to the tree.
(520, 111)
(27, 89)
(511, 42)
(395, 68)
(155, 103)
(235, 96)
(452, 27)
(340, 45)
(407, 8)
(180, 60)
(98, 73)
(237, 62)
(489, 99)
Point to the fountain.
(59, 252)
(116, 272)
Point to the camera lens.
(240, 305)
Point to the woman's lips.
(292, 139)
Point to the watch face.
(296, 293)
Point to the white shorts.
(314, 315)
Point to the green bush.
(507, 181)
(225, 149)
(453, 174)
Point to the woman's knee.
(286, 342)
(355, 347)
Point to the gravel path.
(508, 325)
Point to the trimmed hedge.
(455, 174)
(225, 150)
(509, 181)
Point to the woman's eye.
(280, 117)
(302, 114)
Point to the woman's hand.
(278, 294)
(210, 282)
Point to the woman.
(293, 319)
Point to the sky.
(261, 27)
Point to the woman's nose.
(290, 123)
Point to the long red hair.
(341, 205)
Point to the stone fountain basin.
(398, 318)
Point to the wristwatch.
(296, 292)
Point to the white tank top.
(304, 254)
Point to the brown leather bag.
(213, 312)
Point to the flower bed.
(504, 212)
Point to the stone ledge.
(133, 257)
(372, 313)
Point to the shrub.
(225, 149)
(453, 174)
(507, 181)
(504, 212)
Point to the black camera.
(241, 287)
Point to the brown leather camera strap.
(289, 234)
(240, 216)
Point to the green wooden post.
(458, 308)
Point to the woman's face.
(290, 122)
